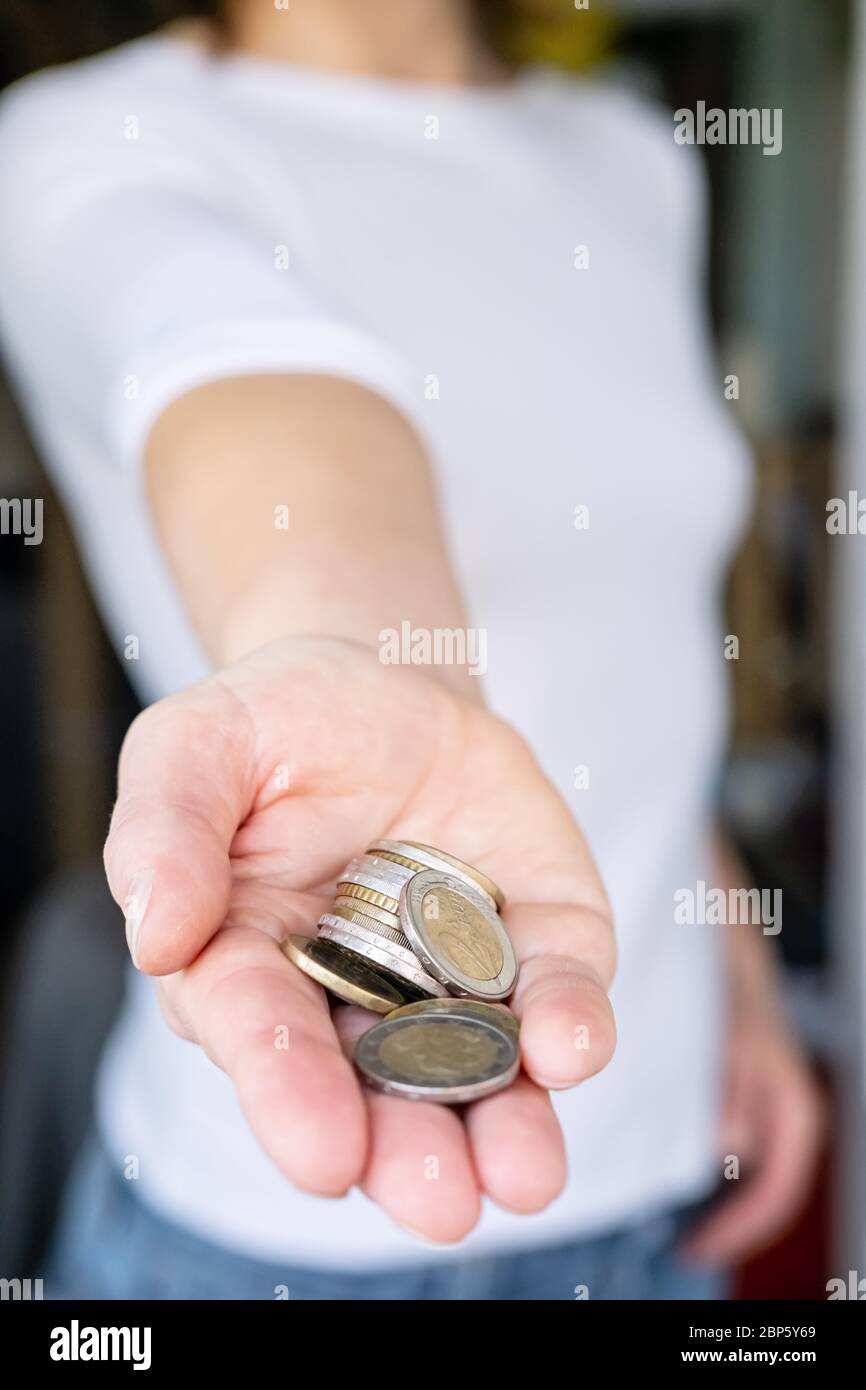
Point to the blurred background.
(787, 289)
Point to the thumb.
(181, 796)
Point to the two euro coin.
(450, 1051)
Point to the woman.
(327, 323)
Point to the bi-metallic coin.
(457, 936)
(497, 1014)
(438, 1057)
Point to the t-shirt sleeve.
(127, 278)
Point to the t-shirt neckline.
(287, 77)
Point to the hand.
(772, 1123)
(240, 800)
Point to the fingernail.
(134, 907)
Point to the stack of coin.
(365, 918)
(416, 934)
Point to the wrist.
(247, 629)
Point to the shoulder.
(96, 114)
(85, 89)
(632, 136)
(610, 108)
(124, 118)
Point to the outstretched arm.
(215, 859)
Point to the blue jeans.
(110, 1244)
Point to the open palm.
(241, 799)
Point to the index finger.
(181, 795)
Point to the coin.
(438, 1057)
(381, 874)
(368, 895)
(350, 914)
(460, 866)
(426, 857)
(394, 858)
(344, 973)
(498, 1014)
(381, 953)
(336, 926)
(388, 919)
(432, 861)
(457, 936)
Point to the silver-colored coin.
(373, 924)
(380, 952)
(375, 864)
(331, 923)
(384, 957)
(457, 936)
(380, 874)
(438, 1057)
(426, 859)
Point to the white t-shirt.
(518, 269)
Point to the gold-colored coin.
(481, 879)
(368, 895)
(388, 919)
(400, 859)
(343, 973)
